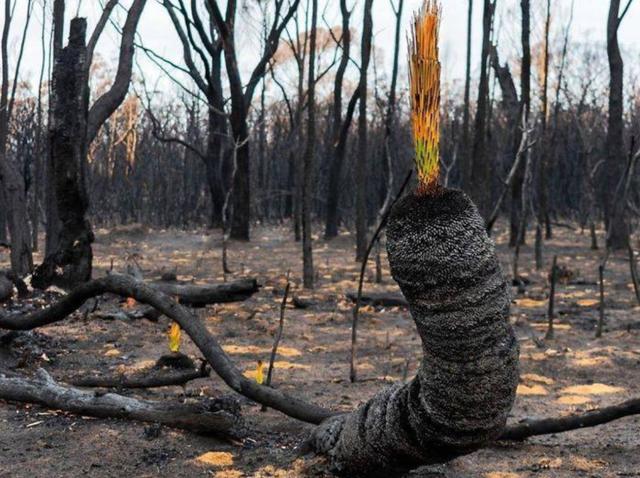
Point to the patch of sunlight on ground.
(278, 364)
(530, 303)
(555, 326)
(255, 350)
(593, 389)
(573, 400)
(591, 361)
(501, 474)
(216, 458)
(531, 390)
(588, 302)
(534, 377)
(580, 463)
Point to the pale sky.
(156, 31)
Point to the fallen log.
(145, 312)
(529, 428)
(150, 378)
(208, 416)
(380, 299)
(201, 295)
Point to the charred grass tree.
(446, 267)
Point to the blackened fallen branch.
(208, 416)
(201, 295)
(157, 377)
(546, 426)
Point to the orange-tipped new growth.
(424, 78)
(174, 337)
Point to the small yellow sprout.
(424, 78)
(174, 337)
(260, 372)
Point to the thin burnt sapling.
(446, 266)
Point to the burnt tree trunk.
(525, 107)
(361, 162)
(466, 120)
(617, 230)
(480, 166)
(51, 209)
(12, 186)
(70, 264)
(339, 130)
(307, 165)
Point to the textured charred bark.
(70, 263)
(465, 386)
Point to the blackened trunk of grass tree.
(70, 264)
(466, 384)
(618, 234)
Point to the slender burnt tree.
(12, 183)
(480, 161)
(466, 114)
(361, 162)
(202, 56)
(616, 226)
(525, 109)
(447, 268)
